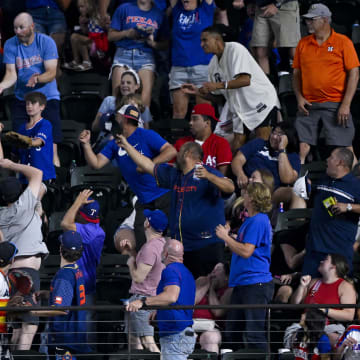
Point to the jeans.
(249, 323)
(48, 20)
(178, 346)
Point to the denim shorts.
(139, 320)
(180, 75)
(178, 346)
(48, 20)
(136, 59)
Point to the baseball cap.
(204, 109)
(71, 240)
(90, 212)
(130, 112)
(10, 190)
(157, 219)
(8, 250)
(316, 10)
(302, 188)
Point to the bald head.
(24, 18)
(174, 251)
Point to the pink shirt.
(149, 254)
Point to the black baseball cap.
(10, 190)
(8, 250)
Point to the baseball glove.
(21, 282)
(18, 140)
(18, 300)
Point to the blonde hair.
(127, 99)
(260, 196)
(267, 178)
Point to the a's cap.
(130, 112)
(8, 250)
(301, 187)
(157, 219)
(90, 212)
(204, 109)
(316, 10)
(10, 190)
(71, 240)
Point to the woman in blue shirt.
(250, 268)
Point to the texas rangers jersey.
(352, 353)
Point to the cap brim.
(147, 213)
(309, 16)
(132, 118)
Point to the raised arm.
(9, 78)
(95, 161)
(167, 153)
(303, 288)
(143, 162)
(224, 184)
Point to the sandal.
(85, 66)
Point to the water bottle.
(281, 207)
(72, 167)
(355, 34)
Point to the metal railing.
(111, 342)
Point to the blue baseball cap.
(157, 219)
(71, 240)
(8, 250)
(90, 212)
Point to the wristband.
(143, 300)
(326, 311)
(226, 83)
(282, 151)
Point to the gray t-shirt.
(20, 223)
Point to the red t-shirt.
(216, 150)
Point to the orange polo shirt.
(324, 67)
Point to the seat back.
(292, 219)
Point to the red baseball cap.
(204, 109)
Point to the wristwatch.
(143, 300)
(348, 207)
(282, 151)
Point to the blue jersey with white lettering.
(148, 143)
(129, 16)
(186, 31)
(40, 157)
(29, 60)
(197, 206)
(68, 289)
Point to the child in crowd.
(91, 40)
(39, 130)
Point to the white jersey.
(252, 103)
(351, 353)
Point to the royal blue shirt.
(259, 156)
(197, 206)
(174, 321)
(67, 289)
(186, 31)
(129, 16)
(93, 241)
(255, 230)
(40, 157)
(335, 234)
(34, 4)
(29, 60)
(148, 143)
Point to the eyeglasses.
(313, 19)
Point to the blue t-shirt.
(186, 31)
(29, 60)
(67, 289)
(93, 241)
(128, 16)
(175, 321)
(255, 230)
(335, 234)
(197, 206)
(39, 157)
(34, 4)
(259, 156)
(148, 143)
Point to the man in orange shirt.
(325, 79)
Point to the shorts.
(51, 113)
(283, 26)
(136, 59)
(48, 20)
(335, 134)
(240, 128)
(180, 75)
(26, 317)
(178, 346)
(139, 320)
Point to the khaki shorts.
(284, 27)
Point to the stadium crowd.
(209, 162)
